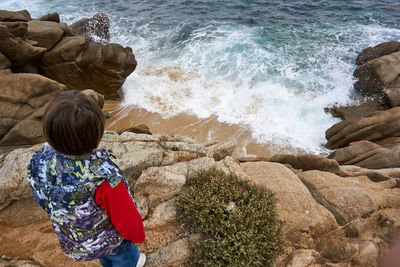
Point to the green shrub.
(248, 234)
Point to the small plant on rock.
(236, 220)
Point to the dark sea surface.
(271, 66)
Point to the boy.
(81, 189)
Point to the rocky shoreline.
(337, 211)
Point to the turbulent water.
(272, 66)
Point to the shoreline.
(201, 130)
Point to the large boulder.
(96, 28)
(381, 125)
(18, 51)
(46, 33)
(303, 218)
(377, 74)
(81, 64)
(17, 28)
(21, 15)
(23, 99)
(349, 198)
(380, 50)
(368, 155)
(51, 17)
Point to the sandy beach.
(202, 130)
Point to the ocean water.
(271, 66)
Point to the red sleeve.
(119, 206)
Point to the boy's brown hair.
(73, 124)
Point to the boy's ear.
(96, 97)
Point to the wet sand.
(202, 130)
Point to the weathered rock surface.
(381, 125)
(349, 198)
(377, 74)
(306, 162)
(362, 108)
(18, 51)
(49, 48)
(392, 93)
(367, 154)
(96, 28)
(21, 15)
(18, 28)
(51, 17)
(369, 134)
(380, 50)
(140, 157)
(46, 33)
(303, 218)
(311, 204)
(81, 64)
(23, 99)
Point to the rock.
(98, 98)
(161, 214)
(377, 74)
(18, 51)
(381, 125)
(51, 17)
(4, 62)
(367, 155)
(380, 50)
(46, 33)
(303, 257)
(79, 64)
(97, 28)
(393, 96)
(356, 171)
(21, 15)
(172, 255)
(368, 254)
(348, 198)
(220, 150)
(302, 216)
(158, 184)
(230, 166)
(197, 149)
(22, 102)
(307, 162)
(13, 172)
(139, 129)
(134, 157)
(392, 93)
(362, 108)
(340, 251)
(18, 28)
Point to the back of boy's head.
(73, 124)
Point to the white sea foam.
(242, 83)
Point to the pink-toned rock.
(381, 125)
(368, 155)
(303, 218)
